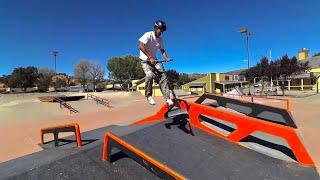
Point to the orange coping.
(74, 125)
(245, 126)
(146, 157)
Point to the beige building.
(2, 87)
(139, 85)
(304, 81)
(303, 54)
(213, 83)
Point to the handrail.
(99, 100)
(65, 104)
(62, 128)
(164, 170)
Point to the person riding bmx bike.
(150, 43)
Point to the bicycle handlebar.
(159, 61)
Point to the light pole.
(247, 33)
(55, 54)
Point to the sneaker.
(151, 101)
(169, 102)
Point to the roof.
(137, 81)
(235, 72)
(302, 75)
(314, 62)
(197, 84)
(230, 82)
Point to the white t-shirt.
(152, 44)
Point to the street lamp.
(247, 33)
(55, 54)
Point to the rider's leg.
(148, 81)
(148, 86)
(164, 86)
(163, 82)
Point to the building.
(314, 63)
(2, 87)
(139, 85)
(309, 80)
(303, 54)
(213, 83)
(116, 86)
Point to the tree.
(317, 54)
(183, 79)
(124, 70)
(82, 72)
(23, 77)
(97, 73)
(262, 67)
(284, 67)
(60, 80)
(278, 69)
(5, 79)
(173, 77)
(45, 79)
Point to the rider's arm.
(144, 50)
(164, 54)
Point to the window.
(227, 78)
(196, 89)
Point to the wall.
(155, 90)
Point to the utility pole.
(55, 54)
(247, 33)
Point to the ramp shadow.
(285, 150)
(64, 142)
(117, 156)
(252, 139)
(182, 121)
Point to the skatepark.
(159, 90)
(210, 136)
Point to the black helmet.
(160, 25)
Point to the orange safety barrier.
(245, 126)
(74, 127)
(108, 136)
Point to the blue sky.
(202, 35)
